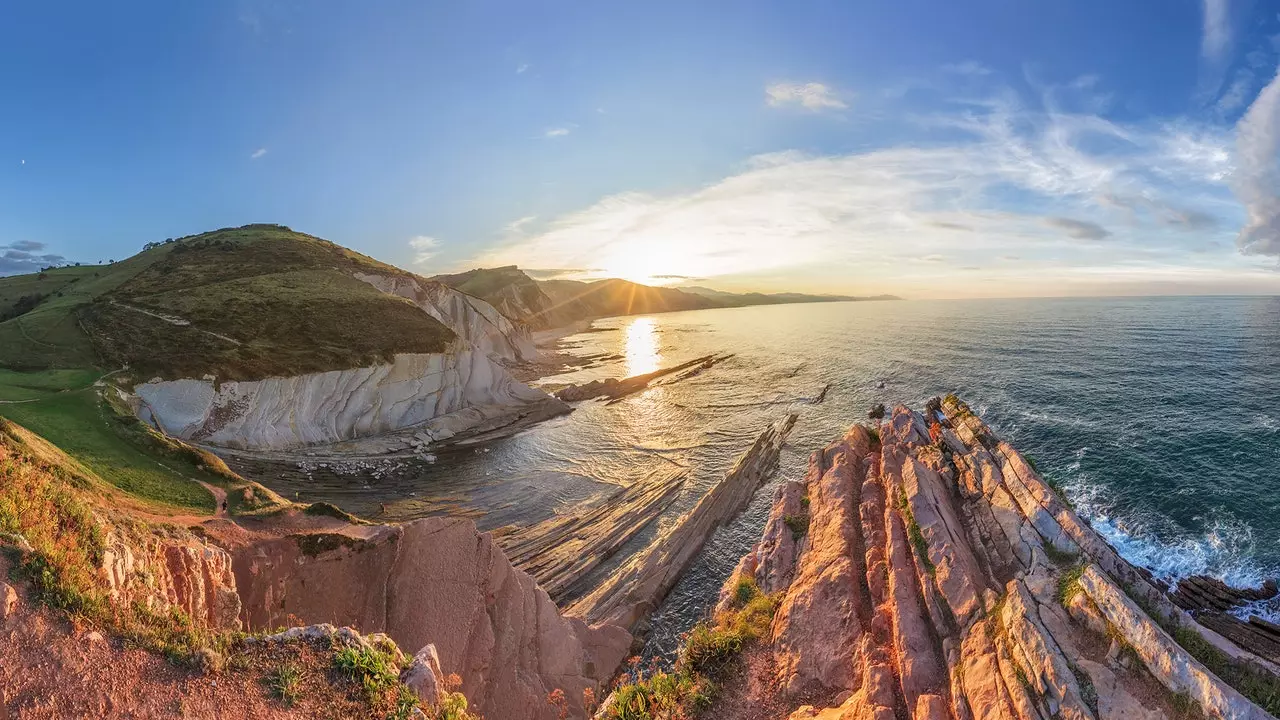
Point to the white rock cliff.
(284, 413)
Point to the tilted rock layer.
(940, 578)
(437, 581)
(329, 407)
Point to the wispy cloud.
(1018, 181)
(257, 153)
(521, 68)
(811, 96)
(424, 248)
(1215, 38)
(968, 67)
(1079, 229)
(24, 256)
(1257, 178)
(556, 132)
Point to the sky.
(926, 148)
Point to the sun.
(646, 265)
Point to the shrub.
(282, 683)
(375, 670)
(799, 525)
(1069, 584)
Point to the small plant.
(376, 671)
(916, 537)
(1088, 692)
(1069, 585)
(283, 684)
(1061, 558)
(799, 525)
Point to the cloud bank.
(1025, 193)
(25, 256)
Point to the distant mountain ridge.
(544, 304)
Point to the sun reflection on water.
(642, 347)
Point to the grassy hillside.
(558, 303)
(604, 298)
(513, 293)
(241, 303)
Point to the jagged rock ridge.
(941, 578)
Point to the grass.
(284, 683)
(114, 444)
(710, 650)
(799, 525)
(1088, 692)
(915, 536)
(288, 298)
(88, 430)
(1069, 585)
(48, 499)
(1256, 684)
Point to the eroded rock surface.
(437, 581)
(330, 407)
(939, 577)
(464, 387)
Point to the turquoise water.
(1157, 415)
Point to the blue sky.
(984, 148)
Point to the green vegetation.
(1088, 692)
(238, 303)
(92, 432)
(1059, 557)
(1069, 585)
(376, 670)
(799, 525)
(47, 499)
(63, 407)
(1254, 683)
(710, 650)
(283, 683)
(916, 538)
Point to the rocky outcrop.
(940, 577)
(437, 581)
(444, 392)
(478, 323)
(165, 573)
(628, 596)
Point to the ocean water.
(1159, 416)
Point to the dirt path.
(219, 498)
(173, 320)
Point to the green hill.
(238, 303)
(542, 304)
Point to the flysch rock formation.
(474, 320)
(628, 596)
(329, 407)
(438, 582)
(941, 578)
(436, 586)
(439, 394)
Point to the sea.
(1159, 417)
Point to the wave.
(1225, 550)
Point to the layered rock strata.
(438, 395)
(286, 413)
(927, 571)
(477, 322)
(438, 582)
(560, 551)
(628, 596)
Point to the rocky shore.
(925, 570)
